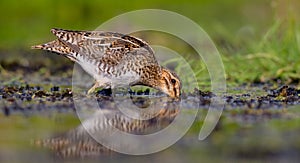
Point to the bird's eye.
(173, 81)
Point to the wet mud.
(25, 97)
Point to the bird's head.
(170, 83)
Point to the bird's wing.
(96, 44)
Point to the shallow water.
(231, 141)
(255, 125)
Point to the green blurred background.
(263, 33)
(27, 21)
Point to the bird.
(114, 60)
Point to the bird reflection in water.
(154, 115)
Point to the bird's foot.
(96, 87)
(93, 89)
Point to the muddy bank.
(22, 97)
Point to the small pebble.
(55, 88)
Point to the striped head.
(170, 83)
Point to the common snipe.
(114, 59)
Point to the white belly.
(123, 80)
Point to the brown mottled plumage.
(114, 59)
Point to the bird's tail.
(54, 46)
(47, 46)
(58, 47)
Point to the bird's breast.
(119, 75)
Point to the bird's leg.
(92, 90)
(97, 85)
